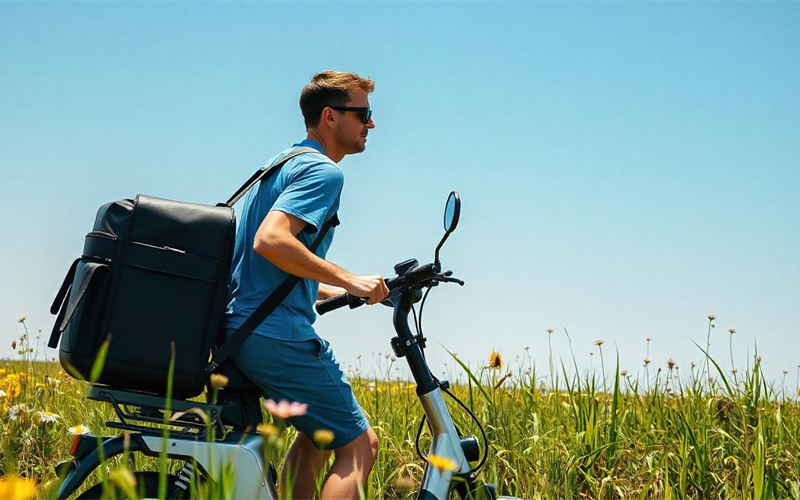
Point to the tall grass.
(700, 435)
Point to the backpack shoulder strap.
(266, 308)
(264, 172)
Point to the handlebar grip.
(333, 303)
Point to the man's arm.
(328, 292)
(276, 241)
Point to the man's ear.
(327, 115)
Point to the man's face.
(351, 131)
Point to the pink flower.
(285, 410)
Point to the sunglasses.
(366, 113)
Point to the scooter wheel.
(146, 487)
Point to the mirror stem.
(436, 256)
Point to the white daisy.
(47, 416)
(79, 429)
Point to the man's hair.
(329, 88)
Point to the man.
(284, 356)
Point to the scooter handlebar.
(337, 302)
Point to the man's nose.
(370, 123)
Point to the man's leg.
(352, 464)
(301, 467)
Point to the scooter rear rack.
(132, 407)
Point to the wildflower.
(13, 344)
(624, 373)
(550, 330)
(671, 363)
(217, 380)
(591, 353)
(323, 437)
(648, 339)
(711, 317)
(758, 358)
(442, 463)
(734, 371)
(48, 417)
(21, 319)
(79, 430)
(785, 372)
(646, 361)
(17, 411)
(17, 488)
(30, 349)
(599, 342)
(731, 330)
(405, 485)
(693, 364)
(495, 361)
(267, 430)
(285, 410)
(392, 358)
(20, 352)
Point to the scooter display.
(212, 437)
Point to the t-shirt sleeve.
(310, 192)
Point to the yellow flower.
(267, 430)
(323, 437)
(17, 488)
(442, 463)
(218, 381)
(495, 361)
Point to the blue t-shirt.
(307, 187)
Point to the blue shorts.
(307, 372)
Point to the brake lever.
(445, 279)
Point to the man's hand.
(373, 288)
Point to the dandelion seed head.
(646, 361)
(550, 330)
(671, 363)
(624, 373)
(731, 330)
(21, 319)
(711, 317)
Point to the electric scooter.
(210, 437)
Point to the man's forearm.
(326, 293)
(291, 256)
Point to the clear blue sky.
(625, 169)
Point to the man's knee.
(364, 448)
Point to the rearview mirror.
(451, 212)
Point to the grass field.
(667, 432)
